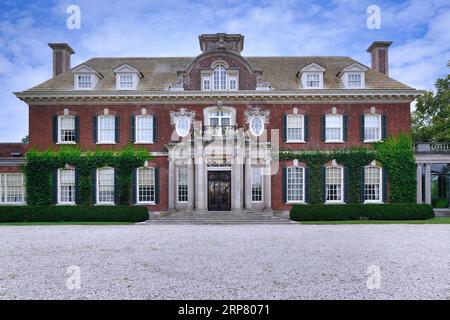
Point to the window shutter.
(361, 185)
(116, 188)
(284, 128)
(322, 183)
(55, 186)
(94, 186)
(346, 191)
(134, 186)
(155, 128)
(77, 129)
(55, 129)
(384, 173)
(283, 183)
(322, 127)
(95, 129)
(345, 124)
(306, 124)
(77, 186)
(133, 128)
(157, 188)
(306, 186)
(383, 127)
(361, 128)
(117, 128)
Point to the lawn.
(70, 223)
(437, 220)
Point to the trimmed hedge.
(73, 213)
(330, 212)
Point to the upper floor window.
(257, 125)
(232, 83)
(66, 129)
(334, 191)
(127, 77)
(66, 186)
(372, 184)
(353, 76)
(312, 80)
(372, 127)
(146, 185)
(220, 78)
(295, 184)
(126, 81)
(354, 80)
(312, 76)
(295, 128)
(333, 128)
(105, 186)
(85, 77)
(12, 188)
(206, 82)
(106, 129)
(220, 118)
(144, 129)
(84, 81)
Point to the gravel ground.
(225, 262)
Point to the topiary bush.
(73, 213)
(330, 212)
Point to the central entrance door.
(219, 190)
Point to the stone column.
(200, 204)
(248, 184)
(428, 183)
(171, 184)
(419, 183)
(191, 192)
(236, 185)
(267, 187)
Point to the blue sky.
(420, 31)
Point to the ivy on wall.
(41, 165)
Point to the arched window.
(220, 78)
(295, 184)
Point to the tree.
(26, 139)
(431, 119)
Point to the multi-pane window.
(312, 80)
(126, 81)
(333, 184)
(333, 127)
(295, 128)
(12, 188)
(372, 127)
(354, 80)
(145, 185)
(372, 183)
(257, 184)
(206, 83)
(295, 184)
(144, 129)
(106, 129)
(220, 78)
(182, 184)
(66, 129)
(233, 83)
(84, 81)
(105, 185)
(66, 186)
(220, 118)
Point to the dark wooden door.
(219, 190)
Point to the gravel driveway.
(229, 262)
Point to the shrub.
(73, 213)
(326, 212)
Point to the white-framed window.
(145, 185)
(295, 128)
(372, 127)
(373, 184)
(257, 183)
(12, 188)
(66, 186)
(84, 81)
(295, 184)
(232, 83)
(144, 129)
(126, 81)
(354, 80)
(106, 129)
(66, 129)
(313, 80)
(182, 184)
(220, 78)
(183, 125)
(257, 125)
(334, 129)
(206, 82)
(220, 118)
(334, 181)
(105, 186)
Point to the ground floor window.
(333, 184)
(257, 184)
(295, 184)
(12, 188)
(146, 185)
(66, 186)
(182, 184)
(105, 185)
(372, 183)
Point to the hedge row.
(329, 212)
(73, 213)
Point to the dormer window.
(126, 81)
(85, 78)
(353, 76)
(313, 80)
(354, 80)
(311, 76)
(127, 77)
(84, 81)
(220, 78)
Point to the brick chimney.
(379, 56)
(61, 57)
